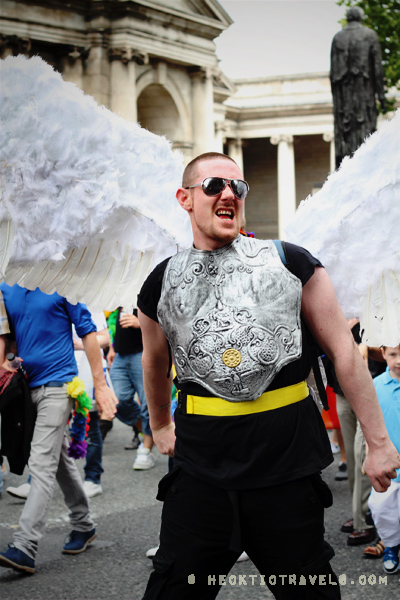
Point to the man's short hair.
(189, 174)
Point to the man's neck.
(211, 247)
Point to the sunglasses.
(213, 186)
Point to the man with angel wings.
(111, 217)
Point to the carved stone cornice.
(139, 57)
(18, 45)
(121, 54)
(99, 37)
(218, 78)
(201, 73)
(277, 139)
(182, 146)
(221, 126)
(78, 53)
(128, 54)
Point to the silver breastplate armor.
(231, 316)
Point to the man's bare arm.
(326, 321)
(2, 349)
(157, 386)
(103, 337)
(106, 400)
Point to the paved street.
(127, 517)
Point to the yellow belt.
(218, 407)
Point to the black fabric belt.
(49, 384)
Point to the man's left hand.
(7, 365)
(106, 402)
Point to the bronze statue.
(356, 80)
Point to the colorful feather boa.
(80, 418)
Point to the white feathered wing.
(353, 226)
(87, 200)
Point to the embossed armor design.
(231, 316)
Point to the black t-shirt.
(259, 450)
(127, 340)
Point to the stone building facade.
(155, 62)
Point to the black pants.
(281, 529)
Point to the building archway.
(158, 82)
(158, 113)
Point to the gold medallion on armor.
(231, 358)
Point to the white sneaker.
(20, 492)
(144, 460)
(243, 557)
(335, 448)
(92, 489)
(152, 552)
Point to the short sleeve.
(81, 318)
(150, 293)
(300, 262)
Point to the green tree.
(383, 16)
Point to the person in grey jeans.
(42, 325)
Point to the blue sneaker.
(391, 559)
(17, 560)
(78, 541)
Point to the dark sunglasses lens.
(239, 188)
(212, 186)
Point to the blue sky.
(276, 37)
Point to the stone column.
(123, 80)
(219, 136)
(122, 83)
(72, 66)
(235, 151)
(286, 181)
(6, 51)
(330, 138)
(96, 79)
(202, 111)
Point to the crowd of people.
(240, 320)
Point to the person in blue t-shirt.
(385, 507)
(42, 326)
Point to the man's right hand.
(111, 355)
(106, 401)
(380, 465)
(164, 439)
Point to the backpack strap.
(281, 251)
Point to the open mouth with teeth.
(225, 213)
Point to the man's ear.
(184, 198)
